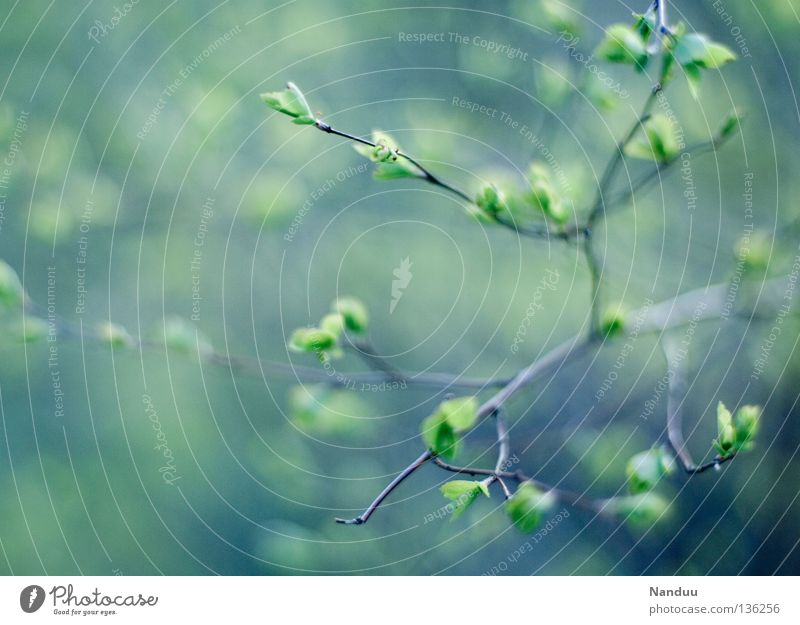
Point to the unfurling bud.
(527, 505)
(291, 102)
(353, 312)
(646, 468)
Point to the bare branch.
(364, 516)
(676, 393)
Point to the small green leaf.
(11, 293)
(114, 334)
(658, 141)
(333, 323)
(527, 505)
(461, 412)
(491, 201)
(291, 102)
(730, 124)
(353, 312)
(642, 509)
(612, 321)
(311, 340)
(552, 85)
(697, 49)
(32, 329)
(623, 44)
(464, 493)
(559, 17)
(386, 153)
(439, 436)
(745, 422)
(181, 336)
(543, 194)
(754, 251)
(726, 434)
(646, 468)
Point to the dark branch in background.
(676, 394)
(69, 329)
(364, 516)
(658, 318)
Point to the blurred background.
(143, 180)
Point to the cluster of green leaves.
(645, 469)
(736, 432)
(291, 102)
(527, 506)
(643, 506)
(541, 197)
(463, 493)
(347, 314)
(11, 293)
(442, 430)
(612, 320)
(390, 164)
(693, 52)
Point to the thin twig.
(364, 516)
(425, 173)
(533, 231)
(503, 441)
(676, 394)
(346, 380)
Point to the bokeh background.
(140, 164)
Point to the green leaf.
(745, 422)
(464, 493)
(754, 251)
(697, 49)
(527, 505)
(11, 293)
(353, 312)
(694, 78)
(725, 430)
(645, 24)
(181, 336)
(552, 85)
(311, 340)
(32, 329)
(461, 412)
(491, 201)
(559, 17)
(291, 102)
(439, 436)
(543, 193)
(623, 44)
(612, 321)
(730, 124)
(602, 94)
(114, 334)
(391, 166)
(333, 323)
(646, 468)
(642, 509)
(658, 141)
